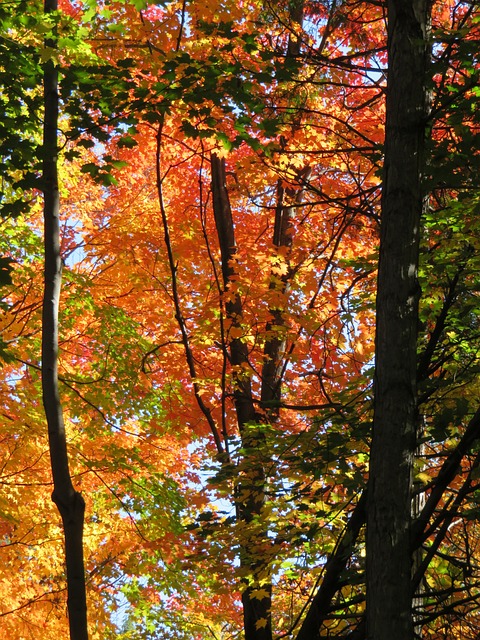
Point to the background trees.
(221, 196)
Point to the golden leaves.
(261, 623)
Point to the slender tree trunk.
(69, 502)
(321, 604)
(287, 198)
(389, 559)
(250, 488)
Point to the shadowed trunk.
(389, 559)
(250, 488)
(69, 502)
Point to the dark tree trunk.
(321, 604)
(288, 198)
(69, 502)
(389, 559)
(250, 488)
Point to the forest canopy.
(240, 340)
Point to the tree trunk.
(69, 502)
(250, 487)
(389, 560)
(321, 604)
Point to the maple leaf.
(259, 594)
(261, 623)
(235, 332)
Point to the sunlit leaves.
(302, 138)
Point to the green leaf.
(128, 142)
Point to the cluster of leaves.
(149, 383)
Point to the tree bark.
(287, 198)
(69, 502)
(389, 558)
(250, 487)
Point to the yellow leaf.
(261, 623)
(259, 594)
(423, 477)
(48, 53)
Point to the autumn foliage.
(220, 173)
